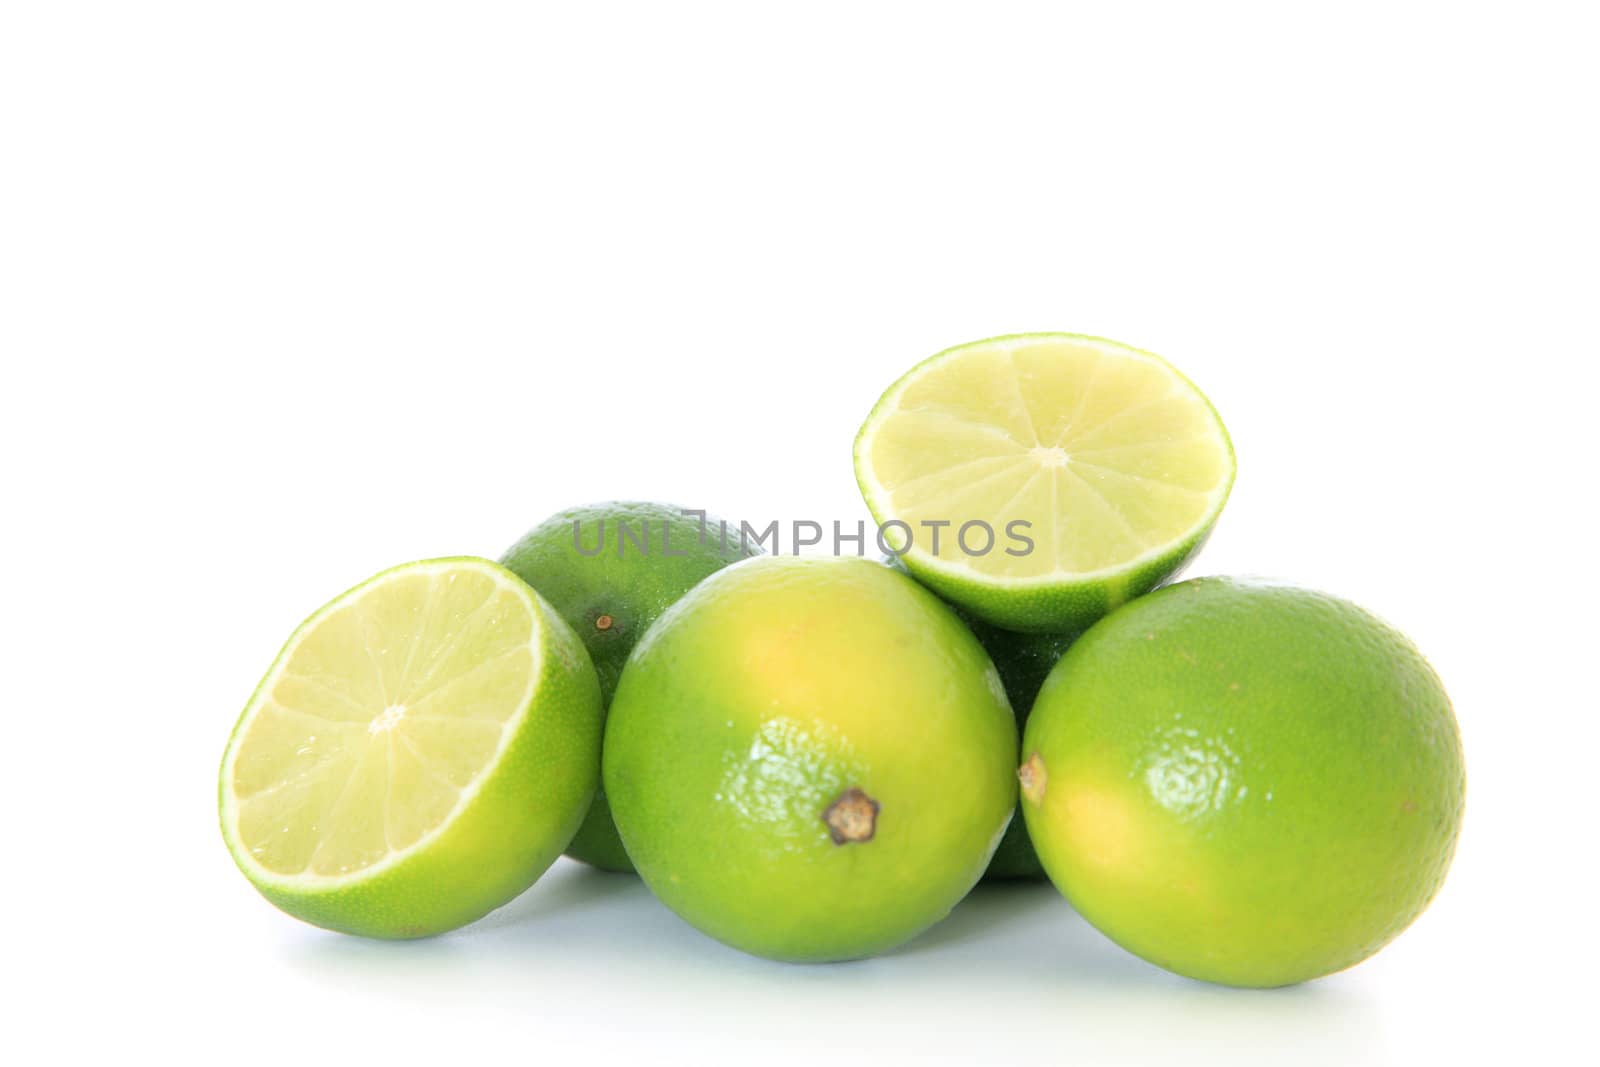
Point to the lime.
(610, 569)
(810, 758)
(1024, 661)
(420, 751)
(1245, 783)
(1041, 480)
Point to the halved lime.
(423, 748)
(1039, 480)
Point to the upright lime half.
(1040, 480)
(422, 749)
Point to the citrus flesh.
(1096, 469)
(610, 570)
(1245, 783)
(420, 751)
(810, 759)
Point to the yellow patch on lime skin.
(1099, 827)
(773, 654)
(1108, 838)
(794, 657)
(1111, 833)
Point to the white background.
(292, 292)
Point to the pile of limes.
(815, 758)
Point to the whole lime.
(1024, 661)
(609, 570)
(810, 758)
(1246, 783)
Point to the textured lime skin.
(611, 598)
(1245, 783)
(502, 839)
(758, 702)
(1042, 605)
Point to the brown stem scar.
(851, 818)
(1031, 775)
(603, 622)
